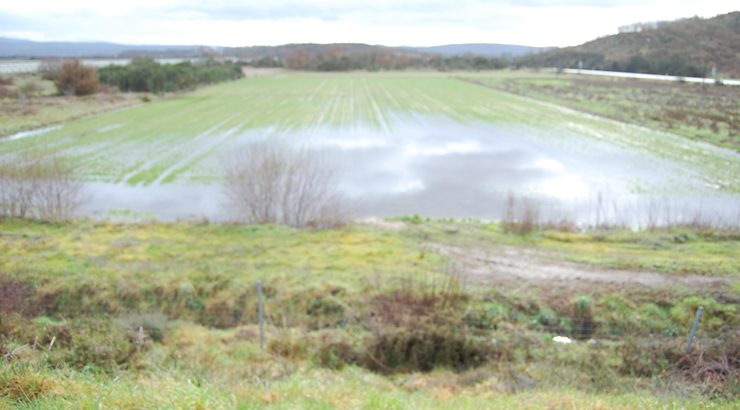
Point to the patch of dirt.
(382, 223)
(507, 263)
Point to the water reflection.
(441, 168)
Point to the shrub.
(428, 344)
(144, 74)
(583, 323)
(520, 216)
(76, 79)
(39, 186)
(271, 183)
(420, 327)
(649, 357)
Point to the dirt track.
(506, 263)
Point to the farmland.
(403, 312)
(174, 139)
(704, 113)
(408, 131)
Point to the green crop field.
(708, 113)
(180, 138)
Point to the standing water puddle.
(440, 168)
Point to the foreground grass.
(309, 388)
(101, 315)
(189, 133)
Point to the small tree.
(272, 183)
(39, 186)
(77, 79)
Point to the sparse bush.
(583, 322)
(521, 216)
(76, 79)
(271, 183)
(418, 328)
(38, 186)
(50, 68)
(715, 367)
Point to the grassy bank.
(164, 315)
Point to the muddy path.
(506, 264)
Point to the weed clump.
(22, 384)
(583, 322)
(420, 329)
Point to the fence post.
(261, 314)
(693, 329)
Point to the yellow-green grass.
(88, 278)
(675, 250)
(700, 112)
(19, 114)
(317, 389)
(202, 271)
(179, 139)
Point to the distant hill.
(17, 48)
(481, 49)
(10, 48)
(285, 50)
(687, 47)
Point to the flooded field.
(428, 145)
(440, 168)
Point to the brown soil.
(498, 264)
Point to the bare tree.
(39, 186)
(271, 183)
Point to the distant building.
(639, 27)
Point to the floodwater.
(436, 167)
(32, 66)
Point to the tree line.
(373, 59)
(143, 74)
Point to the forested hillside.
(687, 47)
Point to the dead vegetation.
(39, 186)
(270, 183)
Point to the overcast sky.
(271, 22)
